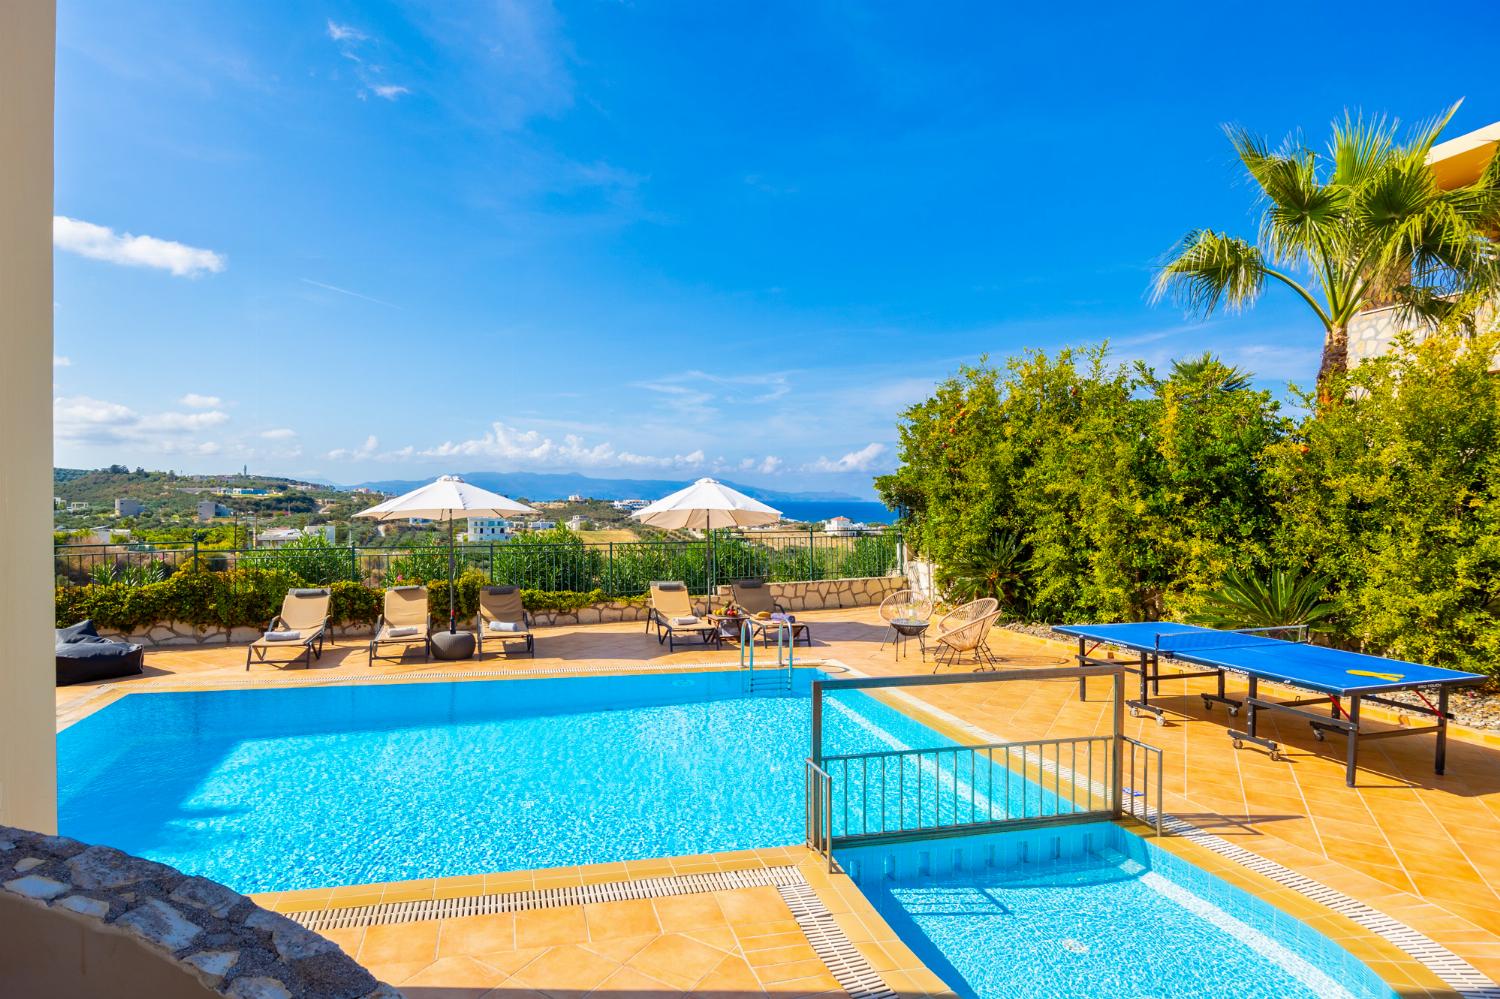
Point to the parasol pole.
(452, 614)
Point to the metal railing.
(1136, 800)
(819, 819)
(899, 794)
(620, 568)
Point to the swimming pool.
(307, 787)
(1091, 910)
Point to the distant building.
(631, 504)
(843, 526)
(244, 491)
(577, 524)
(575, 498)
(209, 509)
(542, 525)
(109, 535)
(275, 537)
(78, 506)
(128, 507)
(488, 529)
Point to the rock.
(160, 923)
(85, 906)
(201, 893)
(36, 886)
(293, 941)
(334, 975)
(258, 987)
(102, 867)
(27, 863)
(213, 963)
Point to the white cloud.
(769, 465)
(389, 91)
(195, 401)
(700, 393)
(855, 461)
(365, 450)
(84, 419)
(279, 434)
(99, 242)
(58, 361)
(344, 32)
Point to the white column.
(28, 754)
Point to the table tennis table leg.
(1250, 707)
(1083, 655)
(1351, 714)
(1440, 754)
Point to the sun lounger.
(303, 624)
(502, 618)
(404, 622)
(671, 611)
(965, 631)
(753, 598)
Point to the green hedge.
(251, 597)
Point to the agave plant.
(1283, 597)
(992, 570)
(131, 575)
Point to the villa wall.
(796, 596)
(1372, 333)
(79, 920)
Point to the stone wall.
(821, 594)
(219, 937)
(1371, 333)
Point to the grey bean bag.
(84, 657)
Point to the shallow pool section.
(317, 786)
(1091, 910)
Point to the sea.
(815, 511)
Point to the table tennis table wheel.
(1237, 743)
(1135, 712)
(1318, 734)
(1234, 710)
(1276, 756)
(1161, 721)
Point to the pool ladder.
(767, 678)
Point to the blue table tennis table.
(1339, 679)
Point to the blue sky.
(377, 240)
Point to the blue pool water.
(308, 787)
(1093, 911)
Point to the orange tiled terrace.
(1413, 846)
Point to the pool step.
(1024, 852)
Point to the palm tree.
(1366, 224)
(1210, 372)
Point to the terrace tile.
(1413, 845)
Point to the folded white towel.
(507, 626)
(403, 631)
(283, 636)
(684, 622)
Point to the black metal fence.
(621, 568)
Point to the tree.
(1364, 224)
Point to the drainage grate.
(545, 898)
(848, 966)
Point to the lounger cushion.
(402, 632)
(507, 626)
(684, 622)
(283, 636)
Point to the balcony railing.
(617, 568)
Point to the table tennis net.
(1202, 641)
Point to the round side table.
(907, 628)
(451, 645)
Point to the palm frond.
(1283, 597)
(1358, 147)
(1208, 372)
(1212, 269)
